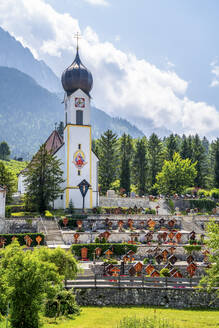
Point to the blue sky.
(153, 60)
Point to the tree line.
(128, 164)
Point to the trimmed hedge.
(118, 249)
(21, 240)
(72, 221)
(203, 204)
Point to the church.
(74, 150)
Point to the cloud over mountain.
(123, 84)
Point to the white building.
(2, 201)
(79, 162)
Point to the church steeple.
(77, 76)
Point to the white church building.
(75, 148)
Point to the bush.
(63, 304)
(191, 248)
(171, 206)
(72, 221)
(118, 249)
(146, 260)
(203, 204)
(48, 214)
(20, 238)
(150, 211)
(203, 193)
(214, 193)
(165, 272)
(110, 261)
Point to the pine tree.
(108, 159)
(156, 157)
(60, 129)
(7, 179)
(4, 151)
(200, 157)
(215, 151)
(43, 179)
(172, 146)
(125, 155)
(139, 166)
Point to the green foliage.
(203, 204)
(4, 151)
(172, 145)
(139, 166)
(63, 304)
(176, 175)
(214, 193)
(192, 248)
(125, 160)
(7, 179)
(203, 193)
(108, 159)
(165, 272)
(110, 261)
(212, 278)
(118, 249)
(43, 177)
(171, 206)
(71, 208)
(27, 281)
(20, 238)
(72, 222)
(155, 157)
(150, 211)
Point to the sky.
(153, 62)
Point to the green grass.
(109, 317)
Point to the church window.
(61, 197)
(79, 172)
(79, 117)
(79, 146)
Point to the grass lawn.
(109, 317)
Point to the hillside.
(28, 114)
(13, 54)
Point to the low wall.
(124, 202)
(173, 298)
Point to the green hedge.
(118, 249)
(21, 240)
(203, 204)
(72, 221)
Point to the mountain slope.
(13, 54)
(28, 114)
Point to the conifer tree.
(7, 179)
(125, 155)
(200, 157)
(108, 159)
(139, 166)
(156, 157)
(4, 151)
(215, 147)
(43, 180)
(172, 146)
(60, 129)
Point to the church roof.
(54, 142)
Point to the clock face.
(79, 102)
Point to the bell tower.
(79, 163)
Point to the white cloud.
(124, 85)
(98, 2)
(215, 71)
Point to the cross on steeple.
(77, 36)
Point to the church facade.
(75, 148)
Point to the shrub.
(20, 238)
(214, 193)
(48, 214)
(191, 248)
(203, 193)
(165, 272)
(110, 261)
(150, 211)
(63, 304)
(203, 204)
(72, 221)
(171, 206)
(146, 260)
(118, 249)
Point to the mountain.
(13, 54)
(28, 114)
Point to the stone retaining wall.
(124, 202)
(173, 298)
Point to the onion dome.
(77, 76)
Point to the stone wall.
(124, 202)
(173, 298)
(18, 225)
